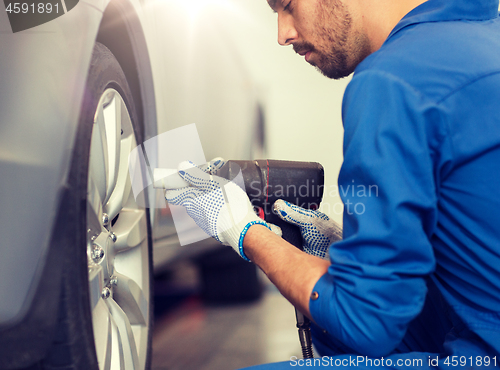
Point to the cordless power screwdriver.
(265, 181)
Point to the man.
(416, 275)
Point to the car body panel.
(37, 128)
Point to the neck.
(380, 17)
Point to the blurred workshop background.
(197, 326)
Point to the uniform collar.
(449, 10)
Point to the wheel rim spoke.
(96, 278)
(130, 230)
(98, 163)
(131, 299)
(112, 114)
(122, 191)
(102, 334)
(105, 146)
(117, 356)
(94, 209)
(127, 340)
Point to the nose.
(287, 34)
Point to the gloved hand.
(318, 231)
(218, 206)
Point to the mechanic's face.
(324, 32)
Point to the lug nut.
(106, 292)
(113, 280)
(97, 253)
(113, 237)
(105, 219)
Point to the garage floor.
(191, 335)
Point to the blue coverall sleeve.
(376, 283)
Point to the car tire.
(105, 318)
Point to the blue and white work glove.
(218, 206)
(318, 231)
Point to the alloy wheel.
(119, 263)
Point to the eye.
(287, 6)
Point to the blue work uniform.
(417, 276)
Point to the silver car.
(78, 94)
